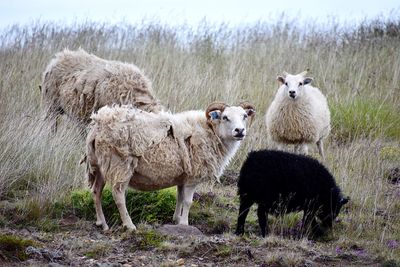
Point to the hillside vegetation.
(357, 67)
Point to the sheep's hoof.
(129, 228)
(239, 232)
(103, 226)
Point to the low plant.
(12, 248)
(150, 207)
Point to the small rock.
(127, 265)
(25, 232)
(180, 262)
(142, 258)
(44, 253)
(31, 229)
(179, 230)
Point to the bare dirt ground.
(80, 243)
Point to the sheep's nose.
(292, 94)
(239, 131)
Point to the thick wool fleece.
(305, 120)
(78, 83)
(282, 182)
(154, 151)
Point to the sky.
(175, 12)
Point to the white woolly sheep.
(147, 151)
(298, 115)
(78, 83)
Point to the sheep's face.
(230, 124)
(329, 214)
(293, 84)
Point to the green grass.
(97, 251)
(364, 118)
(146, 239)
(149, 207)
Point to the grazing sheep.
(78, 83)
(298, 115)
(148, 151)
(280, 182)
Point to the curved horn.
(215, 106)
(247, 105)
(250, 109)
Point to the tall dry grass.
(357, 67)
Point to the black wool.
(281, 182)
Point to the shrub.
(150, 207)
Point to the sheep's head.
(329, 212)
(294, 84)
(230, 122)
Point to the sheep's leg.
(188, 191)
(118, 192)
(262, 219)
(97, 192)
(245, 205)
(179, 199)
(320, 146)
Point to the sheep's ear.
(215, 115)
(250, 112)
(307, 80)
(280, 79)
(344, 200)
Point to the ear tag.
(214, 115)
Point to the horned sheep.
(298, 115)
(78, 83)
(147, 151)
(281, 182)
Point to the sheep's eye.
(225, 118)
(245, 116)
(286, 84)
(300, 84)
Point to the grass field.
(357, 67)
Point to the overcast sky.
(175, 12)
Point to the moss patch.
(12, 248)
(145, 239)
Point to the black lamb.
(281, 182)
